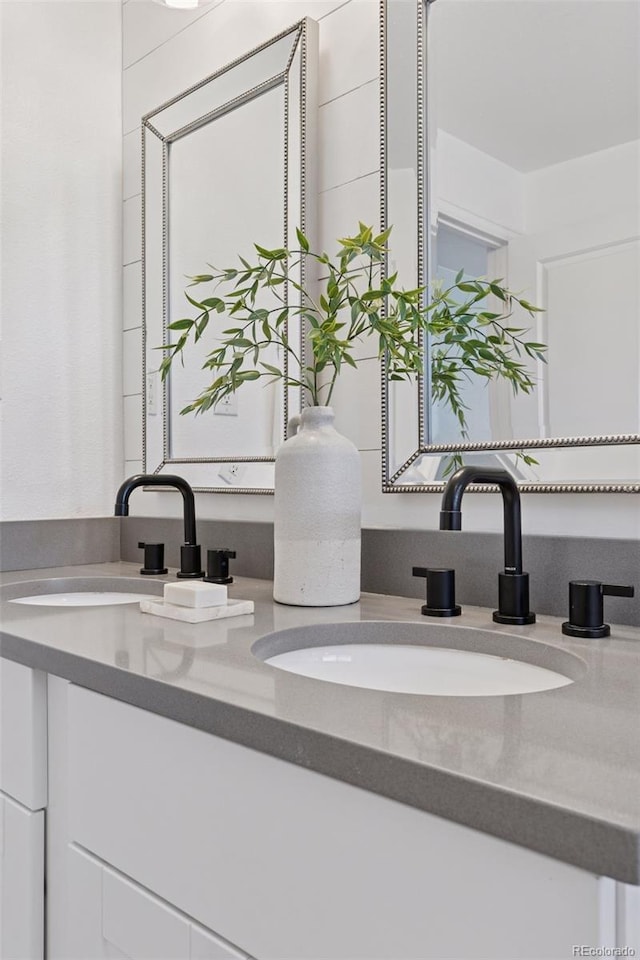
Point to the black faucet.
(513, 584)
(190, 559)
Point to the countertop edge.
(571, 837)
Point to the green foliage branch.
(354, 302)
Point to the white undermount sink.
(416, 658)
(82, 591)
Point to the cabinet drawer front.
(21, 881)
(628, 917)
(23, 734)
(206, 946)
(140, 925)
(110, 916)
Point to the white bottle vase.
(317, 515)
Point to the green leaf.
(181, 324)
(384, 236)
(279, 254)
(201, 326)
(497, 291)
(272, 369)
(302, 240)
(529, 306)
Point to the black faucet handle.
(441, 592)
(586, 607)
(218, 565)
(153, 559)
(616, 590)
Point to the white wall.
(61, 241)
(573, 232)
(470, 185)
(164, 52)
(582, 251)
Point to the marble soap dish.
(196, 602)
(232, 608)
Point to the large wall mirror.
(513, 151)
(227, 163)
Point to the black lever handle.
(615, 590)
(153, 559)
(218, 566)
(586, 607)
(441, 592)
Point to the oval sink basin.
(420, 659)
(82, 591)
(87, 599)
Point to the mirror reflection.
(530, 145)
(252, 421)
(224, 163)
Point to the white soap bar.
(195, 594)
(234, 608)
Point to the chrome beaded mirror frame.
(280, 74)
(405, 206)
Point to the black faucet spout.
(451, 512)
(514, 584)
(190, 551)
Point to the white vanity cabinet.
(114, 917)
(23, 797)
(156, 826)
(628, 917)
(23, 734)
(97, 906)
(21, 881)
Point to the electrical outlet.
(152, 394)
(232, 473)
(228, 406)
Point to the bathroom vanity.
(201, 803)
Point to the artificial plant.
(352, 301)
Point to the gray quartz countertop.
(557, 772)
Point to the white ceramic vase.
(318, 502)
